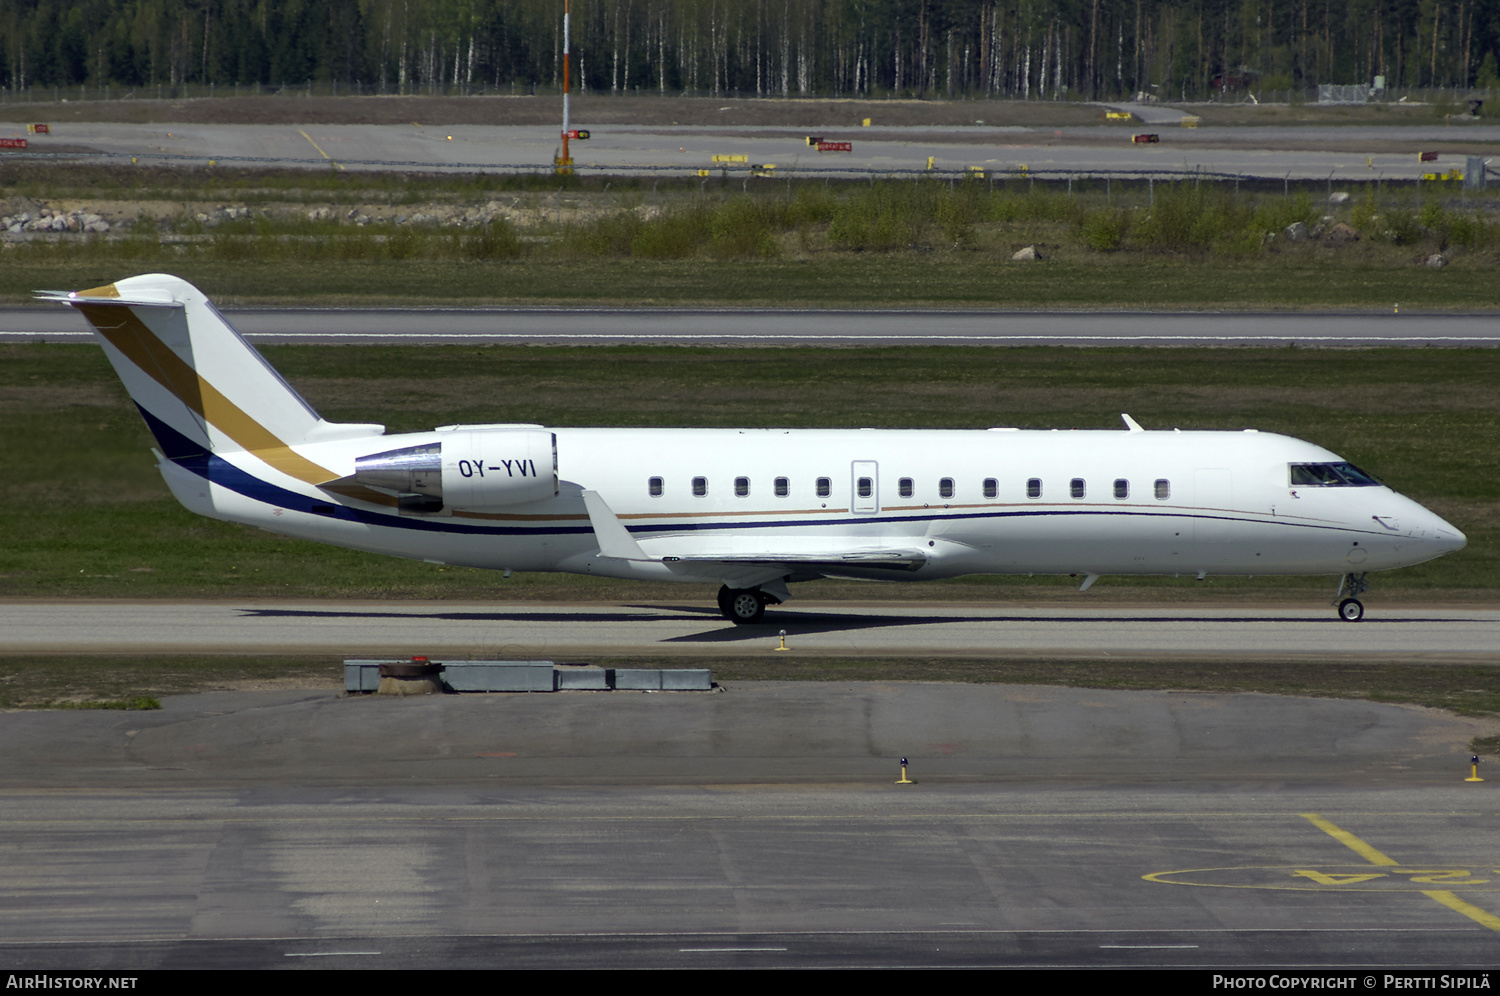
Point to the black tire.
(1350, 610)
(746, 606)
(726, 595)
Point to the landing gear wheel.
(746, 606)
(726, 596)
(1351, 610)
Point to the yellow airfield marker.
(903, 780)
(1474, 770)
(783, 641)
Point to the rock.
(1339, 197)
(1296, 231)
(1028, 253)
(1437, 260)
(1342, 233)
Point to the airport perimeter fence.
(1454, 96)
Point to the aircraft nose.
(1441, 534)
(1449, 539)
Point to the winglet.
(1131, 424)
(614, 539)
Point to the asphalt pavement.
(760, 825)
(791, 327)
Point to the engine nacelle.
(493, 468)
(472, 469)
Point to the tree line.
(1029, 49)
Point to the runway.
(736, 327)
(1340, 154)
(577, 630)
(757, 826)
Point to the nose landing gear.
(1351, 609)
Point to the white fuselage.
(1109, 502)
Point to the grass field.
(377, 239)
(88, 516)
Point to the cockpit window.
(1330, 475)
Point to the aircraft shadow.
(809, 622)
(498, 616)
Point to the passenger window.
(741, 487)
(1163, 489)
(654, 487)
(865, 487)
(945, 488)
(783, 487)
(825, 487)
(906, 487)
(1122, 488)
(1034, 488)
(991, 487)
(700, 486)
(1076, 488)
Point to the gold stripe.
(108, 290)
(130, 336)
(513, 516)
(720, 515)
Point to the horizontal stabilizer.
(143, 298)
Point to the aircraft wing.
(846, 556)
(829, 561)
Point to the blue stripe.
(1029, 513)
(191, 456)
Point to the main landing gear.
(743, 606)
(1351, 609)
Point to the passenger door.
(864, 489)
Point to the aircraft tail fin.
(201, 387)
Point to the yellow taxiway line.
(1376, 857)
(317, 146)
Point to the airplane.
(754, 510)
